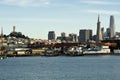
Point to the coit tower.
(112, 26)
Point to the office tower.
(85, 35)
(63, 34)
(112, 26)
(73, 37)
(103, 33)
(108, 33)
(102, 30)
(1, 32)
(51, 35)
(99, 33)
(14, 29)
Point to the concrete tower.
(1, 32)
(99, 33)
(13, 28)
(112, 26)
(63, 34)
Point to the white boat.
(2, 57)
(23, 50)
(97, 50)
(116, 51)
(74, 51)
(49, 51)
(52, 52)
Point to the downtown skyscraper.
(85, 35)
(51, 35)
(112, 27)
(99, 33)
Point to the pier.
(62, 49)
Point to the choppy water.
(61, 68)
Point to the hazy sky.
(35, 18)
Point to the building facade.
(51, 35)
(73, 37)
(85, 35)
(63, 34)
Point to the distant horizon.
(35, 18)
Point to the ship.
(52, 51)
(97, 50)
(74, 51)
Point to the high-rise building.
(99, 33)
(103, 33)
(108, 33)
(51, 35)
(85, 35)
(63, 34)
(112, 26)
(74, 37)
(1, 32)
(14, 29)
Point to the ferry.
(23, 50)
(97, 50)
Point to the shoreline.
(28, 55)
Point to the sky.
(34, 18)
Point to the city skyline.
(35, 18)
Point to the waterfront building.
(117, 35)
(112, 26)
(51, 35)
(85, 35)
(98, 33)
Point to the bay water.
(60, 68)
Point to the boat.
(2, 57)
(52, 52)
(74, 51)
(2, 54)
(116, 51)
(97, 50)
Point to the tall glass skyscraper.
(112, 26)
